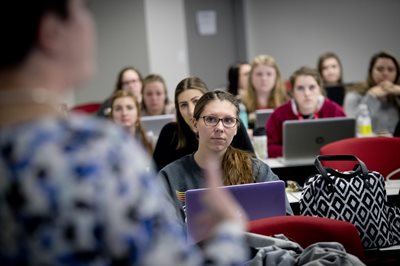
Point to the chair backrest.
(378, 153)
(90, 108)
(307, 230)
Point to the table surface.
(392, 189)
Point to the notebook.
(259, 200)
(154, 123)
(262, 116)
(302, 139)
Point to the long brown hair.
(321, 60)
(363, 87)
(183, 128)
(142, 136)
(237, 167)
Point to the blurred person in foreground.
(75, 191)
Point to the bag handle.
(324, 170)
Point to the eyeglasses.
(212, 121)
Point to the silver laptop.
(154, 123)
(258, 200)
(262, 116)
(302, 139)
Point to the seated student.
(215, 121)
(155, 96)
(178, 139)
(331, 71)
(307, 103)
(381, 93)
(238, 79)
(266, 89)
(74, 190)
(129, 79)
(125, 111)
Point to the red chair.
(307, 230)
(89, 108)
(380, 154)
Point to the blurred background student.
(216, 122)
(178, 139)
(238, 78)
(331, 71)
(308, 102)
(265, 89)
(381, 93)
(155, 97)
(125, 111)
(128, 79)
(75, 190)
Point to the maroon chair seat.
(307, 230)
(89, 108)
(380, 154)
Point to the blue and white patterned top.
(76, 191)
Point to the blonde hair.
(278, 94)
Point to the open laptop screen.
(302, 139)
(155, 123)
(258, 200)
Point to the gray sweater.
(384, 114)
(184, 174)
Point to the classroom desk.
(392, 192)
(298, 173)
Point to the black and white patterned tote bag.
(357, 196)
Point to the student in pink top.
(307, 102)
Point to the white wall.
(121, 42)
(167, 42)
(151, 35)
(297, 32)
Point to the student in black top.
(330, 69)
(177, 139)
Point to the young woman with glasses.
(178, 139)
(216, 122)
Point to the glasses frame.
(219, 120)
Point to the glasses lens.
(229, 121)
(226, 121)
(211, 120)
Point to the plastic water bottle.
(260, 143)
(243, 115)
(364, 125)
